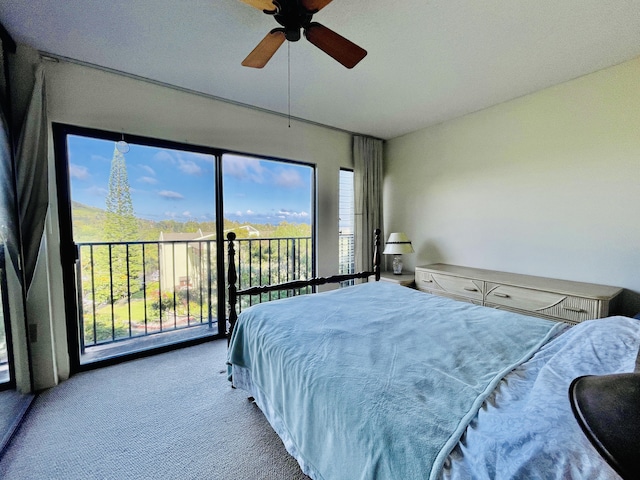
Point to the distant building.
(186, 259)
(346, 254)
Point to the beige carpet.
(172, 416)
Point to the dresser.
(559, 300)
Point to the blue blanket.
(527, 421)
(377, 380)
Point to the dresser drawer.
(543, 303)
(449, 284)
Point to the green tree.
(120, 224)
(292, 230)
(119, 266)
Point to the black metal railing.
(282, 260)
(135, 289)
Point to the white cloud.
(79, 172)
(186, 161)
(148, 169)
(288, 178)
(186, 213)
(289, 214)
(164, 156)
(149, 180)
(201, 157)
(170, 195)
(99, 158)
(97, 191)
(244, 168)
(189, 167)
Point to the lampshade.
(397, 244)
(607, 408)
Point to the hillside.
(89, 222)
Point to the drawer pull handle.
(573, 309)
(471, 289)
(501, 295)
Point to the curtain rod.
(58, 58)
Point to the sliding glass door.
(143, 231)
(143, 228)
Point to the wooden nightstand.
(405, 279)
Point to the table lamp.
(397, 244)
(607, 408)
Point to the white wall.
(547, 184)
(90, 97)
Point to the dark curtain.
(9, 231)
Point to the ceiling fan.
(295, 15)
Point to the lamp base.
(397, 264)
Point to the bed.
(379, 381)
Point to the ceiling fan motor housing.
(292, 16)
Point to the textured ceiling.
(428, 60)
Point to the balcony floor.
(140, 344)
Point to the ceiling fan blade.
(314, 5)
(261, 4)
(334, 45)
(263, 52)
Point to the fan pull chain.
(289, 78)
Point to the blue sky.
(174, 184)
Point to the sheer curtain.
(32, 173)
(367, 186)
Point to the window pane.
(346, 208)
(269, 206)
(143, 220)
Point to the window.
(268, 204)
(346, 262)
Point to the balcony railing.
(136, 289)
